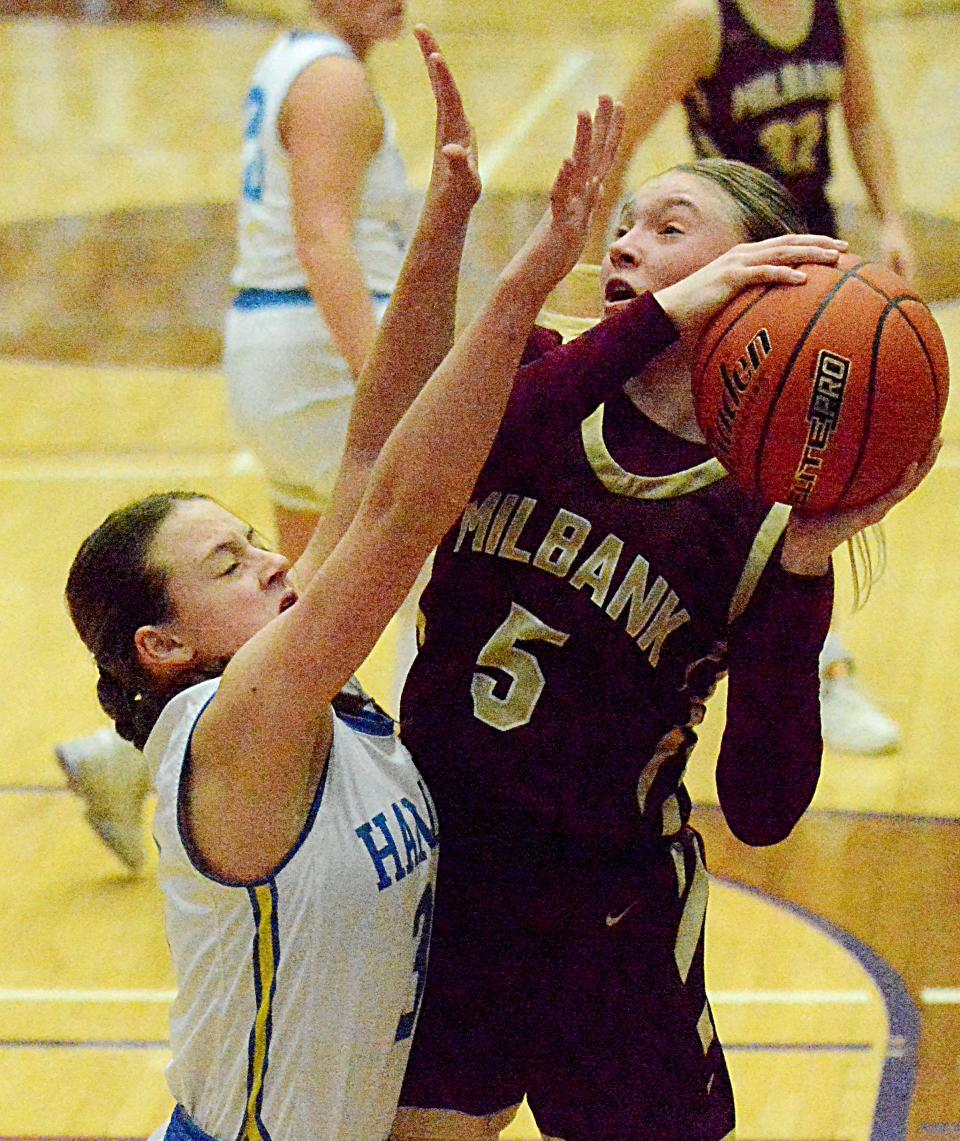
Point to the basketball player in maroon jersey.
(603, 577)
(756, 79)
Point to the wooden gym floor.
(834, 960)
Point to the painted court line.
(940, 996)
(163, 1044)
(98, 467)
(43, 994)
(717, 998)
(897, 1080)
(789, 997)
(570, 67)
(84, 1044)
(797, 1047)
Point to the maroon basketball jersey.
(576, 618)
(768, 106)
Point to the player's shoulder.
(695, 15)
(697, 25)
(334, 86)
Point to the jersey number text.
(502, 653)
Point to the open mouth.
(617, 292)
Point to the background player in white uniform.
(297, 843)
(323, 224)
(322, 229)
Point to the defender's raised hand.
(455, 177)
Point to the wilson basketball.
(820, 395)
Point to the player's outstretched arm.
(871, 144)
(443, 441)
(271, 719)
(683, 47)
(417, 329)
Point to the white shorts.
(290, 392)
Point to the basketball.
(820, 395)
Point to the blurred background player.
(322, 229)
(323, 224)
(757, 79)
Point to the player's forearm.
(873, 154)
(425, 302)
(339, 290)
(769, 759)
(432, 460)
(559, 389)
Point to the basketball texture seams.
(821, 394)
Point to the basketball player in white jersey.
(322, 229)
(297, 842)
(323, 223)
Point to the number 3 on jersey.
(422, 924)
(516, 706)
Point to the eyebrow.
(628, 215)
(677, 201)
(229, 546)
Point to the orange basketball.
(821, 394)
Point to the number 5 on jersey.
(516, 706)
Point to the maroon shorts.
(595, 1023)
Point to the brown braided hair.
(112, 590)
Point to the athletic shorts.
(181, 1127)
(605, 1026)
(290, 391)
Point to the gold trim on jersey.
(764, 541)
(265, 958)
(568, 326)
(705, 1029)
(619, 481)
(692, 919)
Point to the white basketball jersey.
(267, 256)
(298, 995)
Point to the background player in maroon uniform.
(757, 79)
(603, 577)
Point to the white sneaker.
(850, 721)
(110, 775)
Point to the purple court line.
(899, 1074)
(812, 813)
